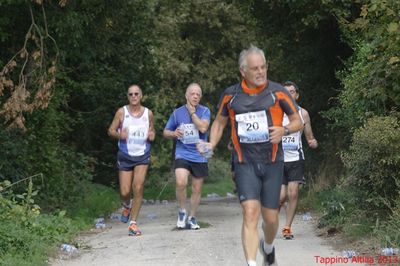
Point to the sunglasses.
(135, 93)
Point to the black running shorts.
(294, 172)
(196, 169)
(259, 181)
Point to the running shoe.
(134, 230)
(268, 259)
(125, 214)
(192, 223)
(287, 233)
(181, 223)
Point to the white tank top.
(138, 129)
(291, 144)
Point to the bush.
(373, 161)
(388, 231)
(26, 235)
(218, 169)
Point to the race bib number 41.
(252, 127)
(137, 134)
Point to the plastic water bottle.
(230, 195)
(213, 195)
(204, 150)
(182, 128)
(306, 216)
(389, 251)
(349, 253)
(100, 223)
(69, 250)
(152, 215)
(115, 216)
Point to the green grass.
(99, 201)
(221, 187)
(167, 190)
(28, 237)
(219, 181)
(342, 208)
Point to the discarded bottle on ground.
(100, 223)
(306, 216)
(390, 251)
(69, 250)
(152, 215)
(115, 216)
(349, 253)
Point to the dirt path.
(219, 244)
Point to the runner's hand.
(178, 133)
(276, 134)
(312, 143)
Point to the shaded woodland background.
(66, 65)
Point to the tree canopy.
(66, 65)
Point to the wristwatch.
(286, 131)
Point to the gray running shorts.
(259, 181)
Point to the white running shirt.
(291, 144)
(138, 130)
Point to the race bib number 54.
(252, 127)
(190, 134)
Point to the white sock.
(251, 263)
(182, 210)
(126, 205)
(132, 222)
(268, 248)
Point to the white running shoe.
(192, 222)
(181, 223)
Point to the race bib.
(252, 127)
(137, 134)
(291, 142)
(190, 134)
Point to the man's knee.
(181, 184)
(271, 218)
(196, 189)
(251, 212)
(293, 193)
(294, 196)
(138, 189)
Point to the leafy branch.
(27, 79)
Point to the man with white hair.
(255, 109)
(188, 125)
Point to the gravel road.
(218, 242)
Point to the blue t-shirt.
(186, 146)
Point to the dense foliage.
(66, 65)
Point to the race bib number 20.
(252, 127)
